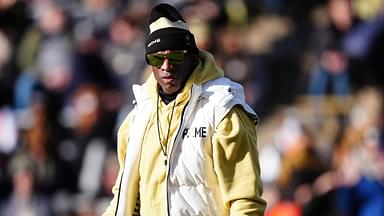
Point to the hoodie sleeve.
(122, 138)
(235, 156)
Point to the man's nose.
(166, 66)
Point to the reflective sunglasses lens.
(176, 57)
(157, 59)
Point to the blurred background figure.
(46, 48)
(241, 66)
(123, 53)
(331, 73)
(36, 144)
(8, 120)
(359, 159)
(81, 153)
(24, 199)
(109, 174)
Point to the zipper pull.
(165, 159)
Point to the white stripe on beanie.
(163, 22)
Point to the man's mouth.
(169, 78)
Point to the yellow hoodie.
(233, 154)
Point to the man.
(189, 145)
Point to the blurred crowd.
(312, 70)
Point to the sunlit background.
(312, 69)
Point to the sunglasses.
(175, 58)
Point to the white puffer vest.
(191, 184)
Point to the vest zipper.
(174, 140)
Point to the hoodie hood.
(206, 69)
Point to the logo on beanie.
(153, 42)
(187, 40)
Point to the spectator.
(80, 155)
(330, 75)
(24, 199)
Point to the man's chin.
(170, 89)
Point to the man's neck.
(167, 98)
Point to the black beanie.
(168, 31)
